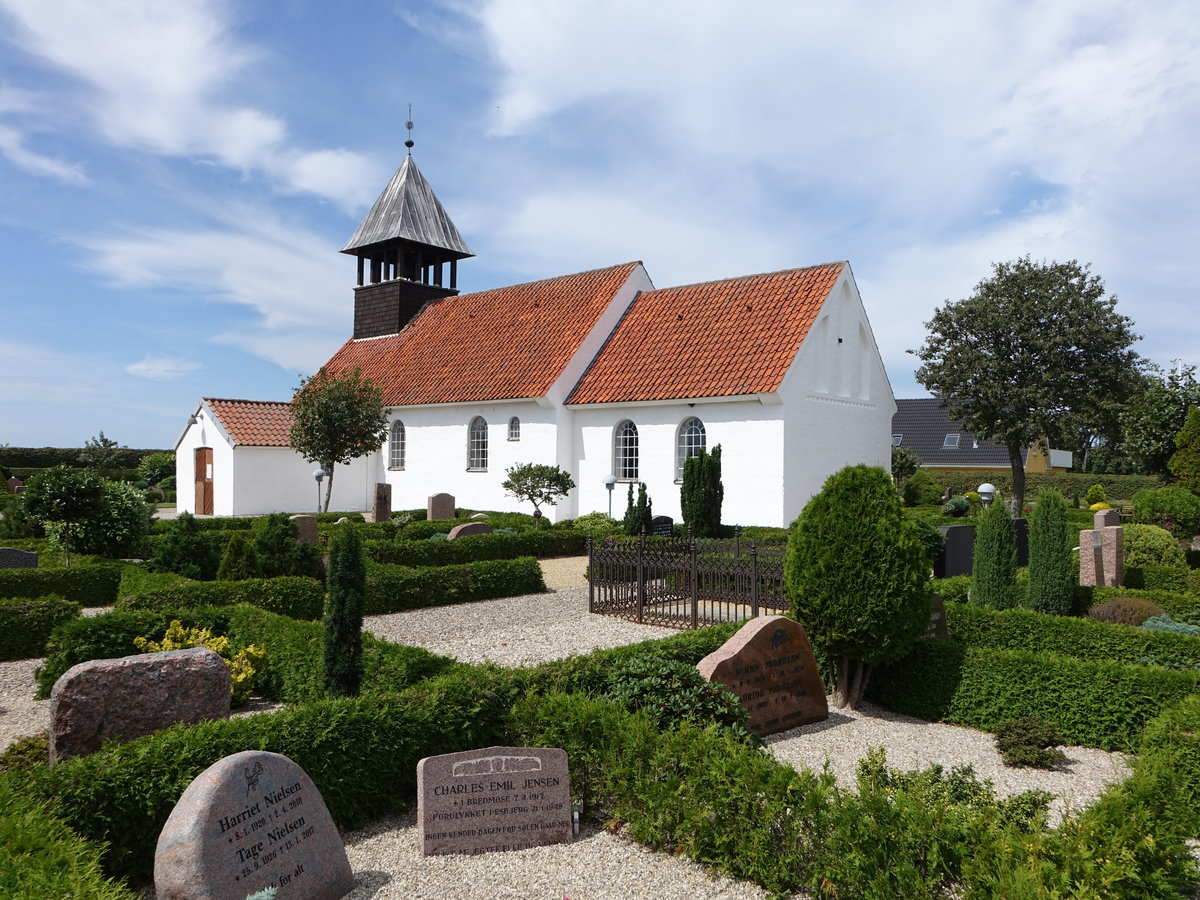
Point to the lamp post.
(610, 481)
(318, 474)
(987, 492)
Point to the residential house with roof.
(598, 372)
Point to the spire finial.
(409, 126)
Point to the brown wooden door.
(204, 481)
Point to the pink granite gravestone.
(1102, 555)
(769, 665)
(251, 821)
(123, 699)
(497, 798)
(468, 528)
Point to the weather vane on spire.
(409, 126)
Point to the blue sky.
(176, 178)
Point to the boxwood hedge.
(395, 588)
(26, 624)
(90, 585)
(290, 595)
(476, 547)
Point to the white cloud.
(164, 77)
(12, 147)
(161, 368)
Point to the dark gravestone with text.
(251, 821)
(496, 798)
(958, 547)
(662, 526)
(770, 665)
(11, 558)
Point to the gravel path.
(599, 865)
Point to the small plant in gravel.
(1029, 742)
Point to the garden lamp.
(318, 474)
(987, 493)
(610, 481)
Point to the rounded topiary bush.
(922, 490)
(1096, 494)
(1149, 545)
(956, 507)
(1125, 611)
(1170, 508)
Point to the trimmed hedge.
(1177, 604)
(1092, 703)
(1163, 578)
(420, 529)
(1176, 732)
(48, 457)
(289, 595)
(476, 547)
(1069, 484)
(26, 624)
(395, 588)
(90, 585)
(1022, 629)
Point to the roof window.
(951, 442)
(896, 439)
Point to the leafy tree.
(1034, 346)
(101, 454)
(857, 575)
(346, 584)
(154, 467)
(1155, 415)
(64, 501)
(638, 514)
(994, 567)
(702, 492)
(240, 559)
(336, 418)
(538, 484)
(905, 464)
(1185, 463)
(1052, 573)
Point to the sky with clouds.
(176, 178)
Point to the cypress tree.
(346, 589)
(240, 560)
(1052, 573)
(638, 514)
(702, 492)
(994, 575)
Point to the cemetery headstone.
(1021, 533)
(251, 821)
(440, 506)
(16, 485)
(662, 526)
(126, 698)
(480, 516)
(958, 550)
(469, 528)
(937, 618)
(11, 558)
(1102, 556)
(307, 526)
(1106, 517)
(383, 502)
(1196, 542)
(769, 665)
(497, 798)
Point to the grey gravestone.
(11, 558)
(251, 821)
(958, 547)
(1196, 542)
(1106, 517)
(126, 698)
(1021, 533)
(307, 526)
(383, 502)
(662, 526)
(480, 516)
(440, 506)
(497, 798)
(468, 528)
(770, 665)
(937, 618)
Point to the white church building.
(597, 372)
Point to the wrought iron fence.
(684, 582)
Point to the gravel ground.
(600, 865)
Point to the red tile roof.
(254, 423)
(508, 343)
(715, 339)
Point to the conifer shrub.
(1029, 742)
(1096, 494)
(186, 550)
(1147, 548)
(280, 550)
(240, 560)
(702, 492)
(638, 513)
(922, 490)
(1170, 508)
(994, 568)
(1052, 573)
(346, 585)
(1185, 462)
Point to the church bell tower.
(408, 252)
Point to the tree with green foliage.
(857, 575)
(538, 484)
(638, 514)
(240, 559)
(101, 454)
(994, 565)
(280, 550)
(65, 501)
(346, 592)
(1185, 462)
(1172, 508)
(1052, 572)
(701, 494)
(905, 464)
(1034, 346)
(154, 467)
(1155, 416)
(336, 418)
